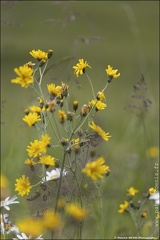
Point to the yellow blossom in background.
(47, 160)
(151, 191)
(22, 185)
(62, 116)
(30, 163)
(144, 214)
(39, 55)
(80, 67)
(31, 226)
(25, 77)
(4, 181)
(46, 139)
(123, 207)
(51, 220)
(36, 148)
(152, 152)
(99, 131)
(54, 90)
(96, 169)
(112, 73)
(98, 105)
(35, 109)
(31, 119)
(132, 191)
(75, 211)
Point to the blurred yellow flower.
(152, 152)
(123, 207)
(132, 191)
(62, 116)
(4, 181)
(96, 169)
(75, 211)
(51, 220)
(25, 76)
(31, 118)
(151, 191)
(99, 131)
(22, 185)
(80, 67)
(31, 226)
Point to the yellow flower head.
(25, 77)
(39, 55)
(96, 169)
(101, 96)
(123, 207)
(80, 67)
(47, 160)
(36, 148)
(98, 105)
(62, 116)
(46, 139)
(31, 118)
(132, 191)
(54, 90)
(112, 73)
(23, 185)
(35, 108)
(151, 191)
(75, 211)
(99, 131)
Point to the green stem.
(91, 85)
(60, 181)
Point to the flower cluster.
(58, 152)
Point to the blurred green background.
(123, 34)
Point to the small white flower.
(54, 174)
(7, 202)
(155, 196)
(24, 237)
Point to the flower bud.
(84, 110)
(75, 105)
(70, 116)
(50, 53)
(42, 62)
(64, 89)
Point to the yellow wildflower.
(31, 118)
(23, 185)
(39, 55)
(25, 77)
(75, 211)
(96, 169)
(123, 207)
(99, 131)
(80, 67)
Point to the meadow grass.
(123, 34)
